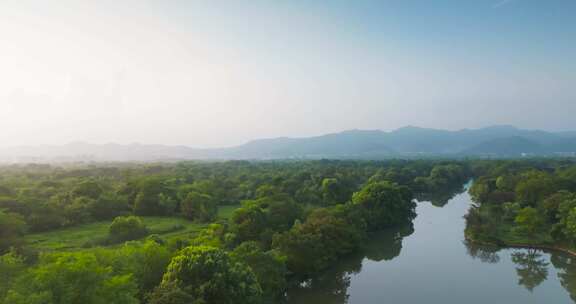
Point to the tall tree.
(203, 274)
(200, 207)
(385, 204)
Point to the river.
(431, 263)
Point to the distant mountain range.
(407, 142)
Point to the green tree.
(167, 203)
(171, 293)
(280, 212)
(248, 222)
(551, 204)
(269, 267)
(146, 262)
(534, 187)
(570, 224)
(108, 206)
(506, 183)
(200, 207)
(44, 217)
(315, 244)
(77, 211)
(11, 266)
(147, 199)
(12, 227)
(146, 204)
(72, 278)
(214, 236)
(528, 221)
(203, 274)
(511, 210)
(565, 207)
(11, 205)
(385, 204)
(90, 189)
(333, 191)
(126, 228)
(267, 190)
(481, 189)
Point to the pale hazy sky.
(218, 73)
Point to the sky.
(220, 73)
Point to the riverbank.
(392, 267)
(505, 244)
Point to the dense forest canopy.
(287, 221)
(239, 231)
(530, 203)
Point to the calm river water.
(431, 263)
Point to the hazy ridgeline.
(406, 143)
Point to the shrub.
(126, 228)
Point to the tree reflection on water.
(332, 285)
(566, 267)
(532, 268)
(486, 254)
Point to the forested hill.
(413, 142)
(495, 141)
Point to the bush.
(126, 228)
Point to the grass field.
(75, 238)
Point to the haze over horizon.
(206, 74)
(251, 140)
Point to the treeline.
(44, 198)
(525, 203)
(296, 219)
